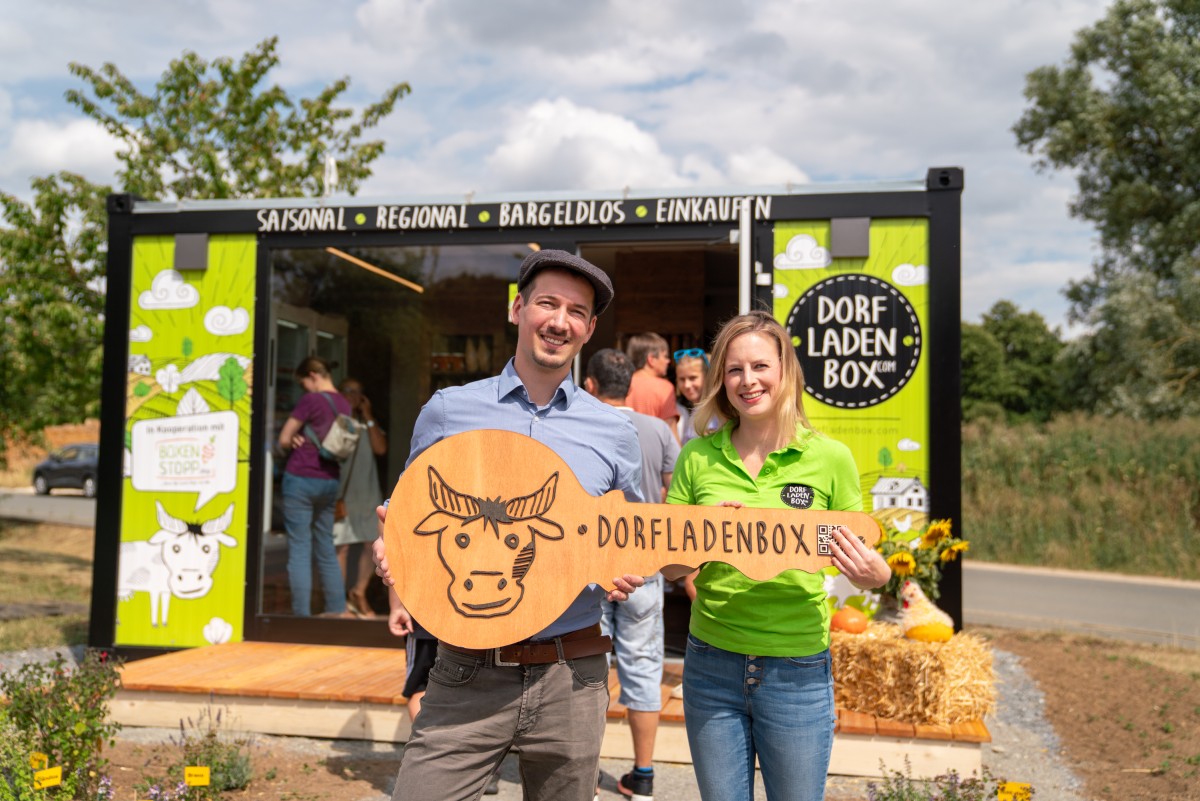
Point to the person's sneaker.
(493, 787)
(636, 786)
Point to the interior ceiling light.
(341, 254)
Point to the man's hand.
(379, 551)
(624, 587)
(862, 565)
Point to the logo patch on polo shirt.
(798, 496)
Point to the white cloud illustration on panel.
(803, 253)
(141, 334)
(169, 291)
(910, 275)
(224, 321)
(908, 445)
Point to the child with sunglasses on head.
(691, 366)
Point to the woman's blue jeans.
(776, 709)
(308, 517)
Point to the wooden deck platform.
(354, 693)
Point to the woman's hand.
(862, 565)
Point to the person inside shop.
(636, 625)
(757, 679)
(651, 393)
(354, 526)
(551, 705)
(310, 492)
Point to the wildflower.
(954, 549)
(902, 564)
(938, 530)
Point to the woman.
(757, 677)
(310, 491)
(360, 493)
(691, 366)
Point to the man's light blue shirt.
(598, 443)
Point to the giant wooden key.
(490, 538)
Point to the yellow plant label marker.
(195, 776)
(50, 777)
(1014, 791)
(39, 761)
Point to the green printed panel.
(181, 576)
(859, 327)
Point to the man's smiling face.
(556, 322)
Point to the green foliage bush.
(1088, 493)
(204, 743)
(62, 713)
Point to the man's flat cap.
(542, 259)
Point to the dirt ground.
(1128, 717)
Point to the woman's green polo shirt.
(786, 616)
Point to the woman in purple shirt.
(310, 491)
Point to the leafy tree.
(885, 458)
(1030, 350)
(986, 383)
(1120, 113)
(51, 303)
(211, 131)
(205, 131)
(1009, 366)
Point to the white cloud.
(531, 95)
(141, 333)
(168, 290)
(803, 253)
(907, 444)
(39, 147)
(557, 144)
(224, 321)
(910, 275)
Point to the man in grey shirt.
(636, 625)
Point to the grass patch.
(42, 564)
(1085, 493)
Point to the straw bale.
(881, 673)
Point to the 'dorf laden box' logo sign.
(859, 340)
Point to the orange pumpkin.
(848, 619)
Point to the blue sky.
(526, 96)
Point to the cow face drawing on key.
(487, 545)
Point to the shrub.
(203, 743)
(63, 713)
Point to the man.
(650, 392)
(637, 625)
(474, 710)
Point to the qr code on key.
(824, 538)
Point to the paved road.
(1152, 610)
(67, 507)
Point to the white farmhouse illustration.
(900, 493)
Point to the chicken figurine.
(920, 619)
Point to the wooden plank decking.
(348, 692)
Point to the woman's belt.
(572, 645)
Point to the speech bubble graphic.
(196, 453)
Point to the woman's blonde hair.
(715, 404)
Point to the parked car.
(73, 466)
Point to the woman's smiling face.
(752, 375)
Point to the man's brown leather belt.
(572, 645)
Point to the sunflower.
(954, 549)
(938, 530)
(902, 564)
